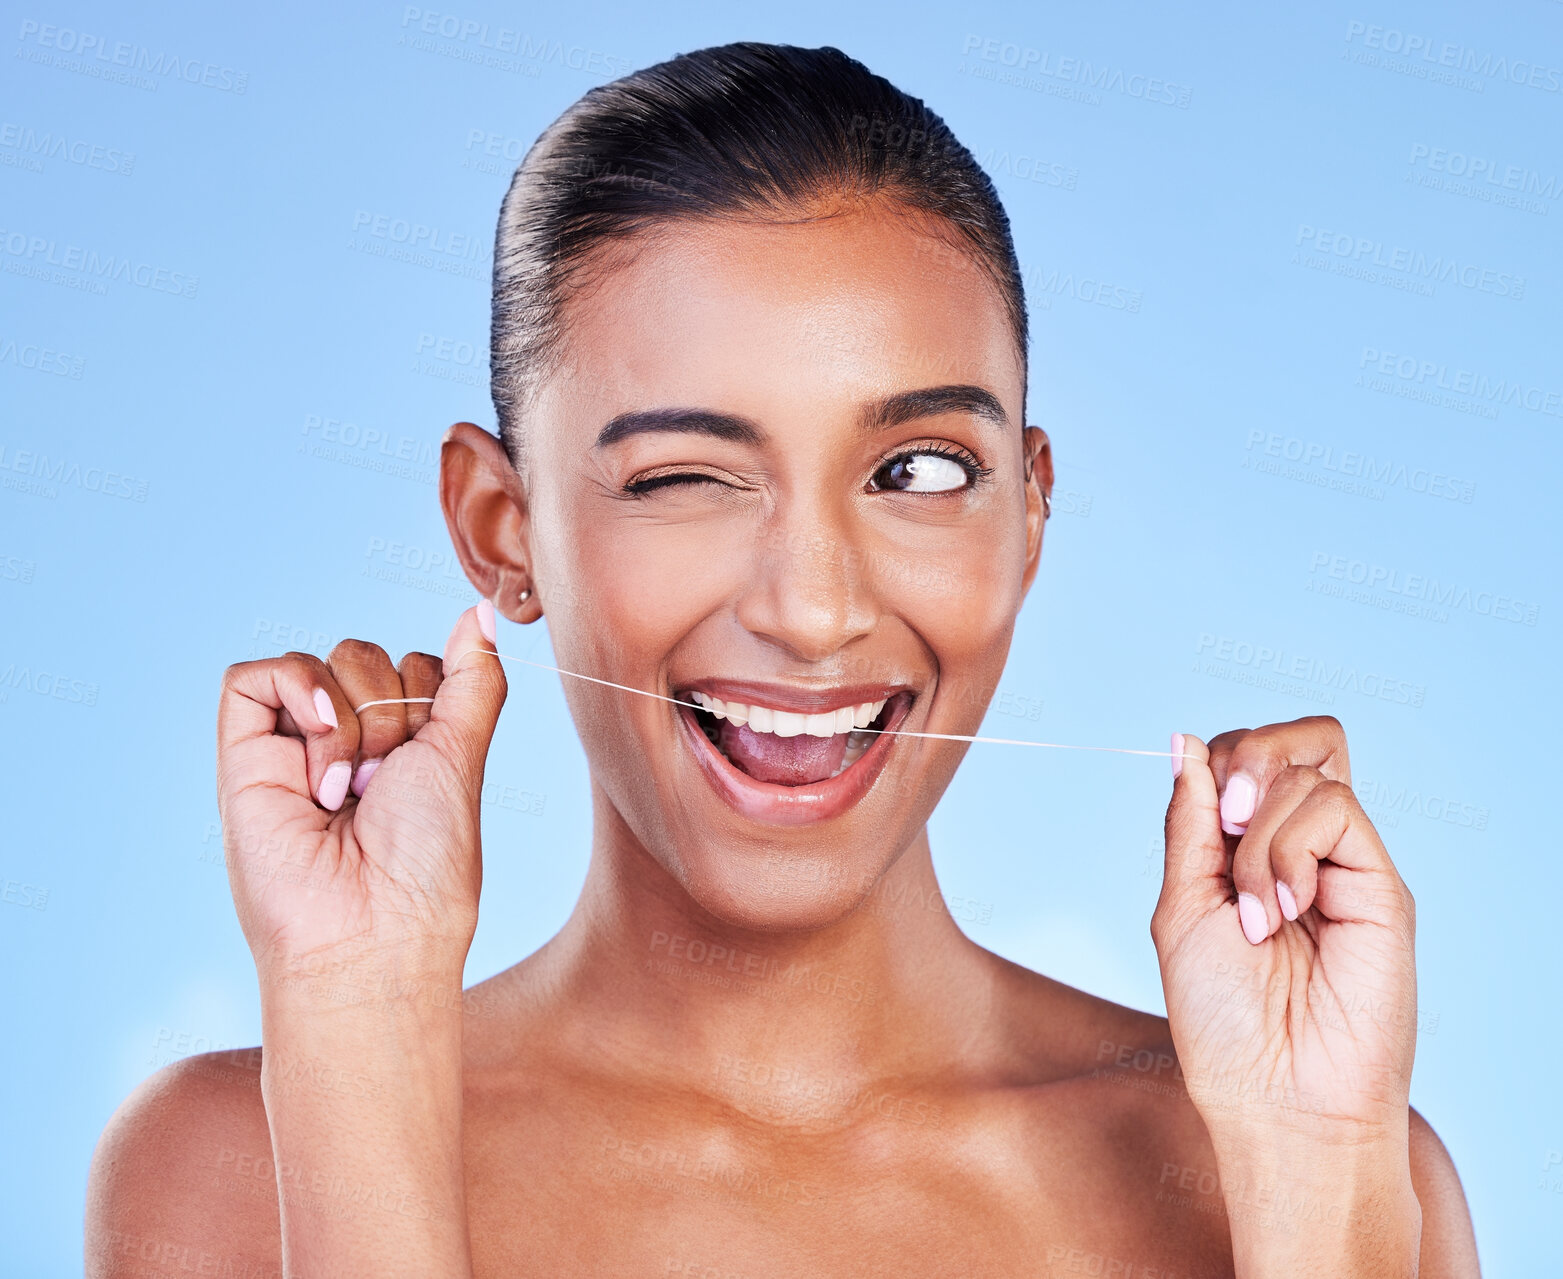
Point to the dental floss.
(893, 732)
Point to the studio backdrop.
(1296, 299)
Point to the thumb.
(1195, 876)
(467, 703)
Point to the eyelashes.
(638, 488)
(925, 469)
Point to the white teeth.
(784, 723)
(764, 719)
(822, 725)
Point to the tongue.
(784, 761)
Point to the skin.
(919, 1105)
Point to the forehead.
(768, 317)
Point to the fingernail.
(1251, 914)
(333, 786)
(1237, 805)
(323, 707)
(1283, 894)
(486, 619)
(1177, 756)
(362, 776)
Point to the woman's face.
(782, 466)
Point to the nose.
(811, 592)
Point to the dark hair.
(747, 129)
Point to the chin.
(771, 889)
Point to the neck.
(893, 988)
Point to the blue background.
(1203, 334)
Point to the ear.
(487, 514)
(1038, 455)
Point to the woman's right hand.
(335, 860)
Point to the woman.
(759, 356)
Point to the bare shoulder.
(1069, 1033)
(1112, 1073)
(1448, 1238)
(182, 1177)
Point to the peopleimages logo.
(1353, 471)
(1277, 665)
(119, 60)
(1433, 376)
(38, 255)
(37, 147)
(1475, 168)
(1422, 588)
(1362, 254)
(1029, 62)
(1457, 57)
(478, 42)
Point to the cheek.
(642, 586)
(961, 596)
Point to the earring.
(526, 594)
(1047, 507)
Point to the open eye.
(925, 471)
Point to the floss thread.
(894, 732)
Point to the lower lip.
(789, 805)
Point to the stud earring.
(1047, 507)
(526, 594)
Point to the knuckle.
(1302, 777)
(1338, 795)
(301, 662)
(1292, 842)
(357, 652)
(1330, 724)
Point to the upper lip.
(787, 697)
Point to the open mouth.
(794, 748)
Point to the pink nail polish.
(1237, 804)
(1177, 756)
(333, 786)
(364, 773)
(323, 707)
(486, 620)
(1251, 914)
(1288, 903)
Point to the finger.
(1261, 904)
(466, 706)
(1317, 741)
(257, 696)
(1221, 747)
(1194, 879)
(365, 674)
(420, 675)
(1357, 881)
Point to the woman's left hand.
(1285, 936)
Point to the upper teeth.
(763, 719)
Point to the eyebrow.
(894, 410)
